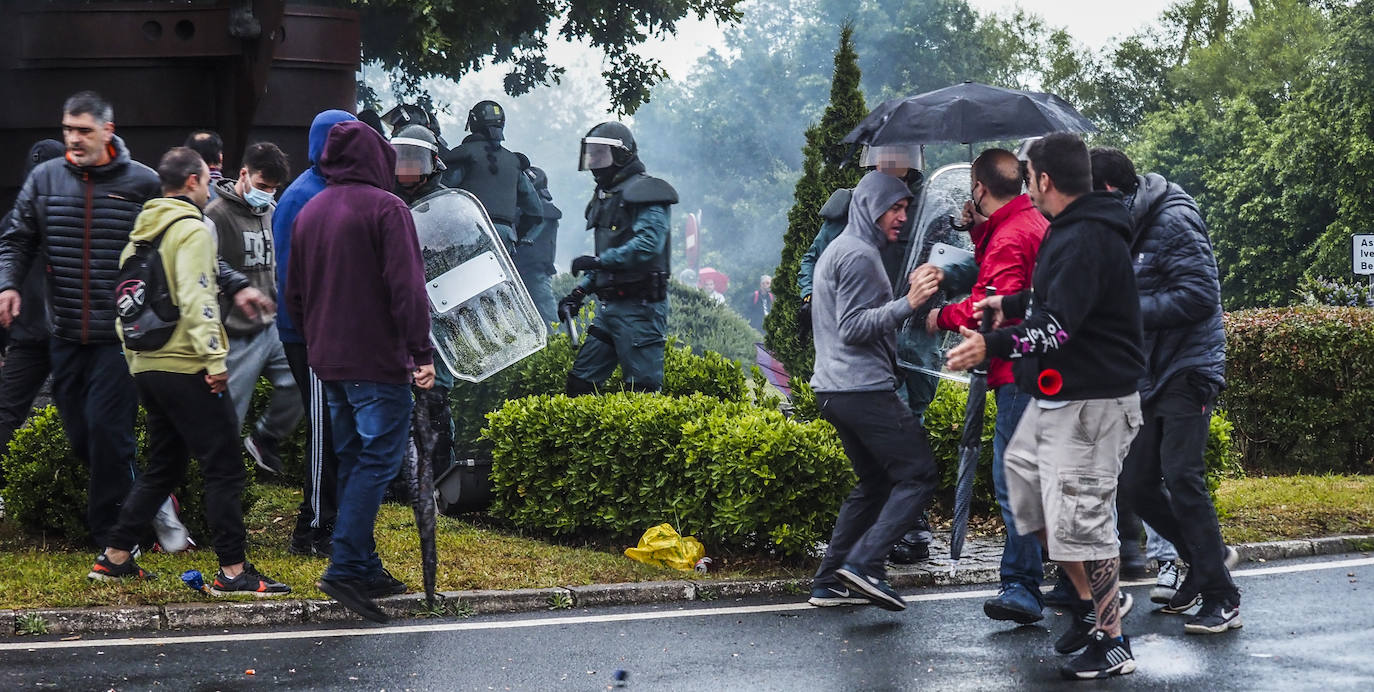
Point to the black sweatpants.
(26, 366)
(320, 504)
(1170, 447)
(888, 448)
(186, 419)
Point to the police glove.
(585, 263)
(804, 319)
(571, 303)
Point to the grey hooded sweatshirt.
(853, 313)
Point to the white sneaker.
(172, 535)
(1166, 584)
(1232, 558)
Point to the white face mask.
(258, 199)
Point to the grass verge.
(1279, 507)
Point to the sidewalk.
(978, 566)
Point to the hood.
(873, 196)
(42, 150)
(355, 153)
(1151, 197)
(319, 131)
(157, 213)
(1100, 207)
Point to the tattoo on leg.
(1102, 579)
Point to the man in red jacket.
(1006, 239)
(356, 288)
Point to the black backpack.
(143, 300)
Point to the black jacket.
(1180, 295)
(1082, 314)
(79, 220)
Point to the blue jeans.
(1022, 562)
(1157, 548)
(371, 424)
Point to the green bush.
(546, 373)
(696, 320)
(45, 486)
(1299, 383)
(733, 474)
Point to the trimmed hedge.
(1299, 385)
(45, 486)
(730, 473)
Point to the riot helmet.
(540, 179)
(894, 159)
(417, 155)
(608, 145)
(487, 119)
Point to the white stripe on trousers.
(317, 409)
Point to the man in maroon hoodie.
(1006, 239)
(356, 287)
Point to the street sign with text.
(1362, 257)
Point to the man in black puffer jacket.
(1185, 347)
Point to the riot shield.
(942, 199)
(482, 317)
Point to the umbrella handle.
(962, 228)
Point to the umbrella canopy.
(966, 113)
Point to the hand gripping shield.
(935, 240)
(483, 319)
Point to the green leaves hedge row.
(734, 475)
(1299, 385)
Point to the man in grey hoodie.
(855, 320)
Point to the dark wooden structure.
(251, 70)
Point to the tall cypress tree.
(822, 174)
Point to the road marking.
(164, 640)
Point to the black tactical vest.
(611, 215)
(496, 190)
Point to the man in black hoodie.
(1185, 345)
(1078, 351)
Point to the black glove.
(571, 303)
(585, 263)
(804, 319)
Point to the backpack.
(143, 300)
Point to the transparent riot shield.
(934, 239)
(482, 317)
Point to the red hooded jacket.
(1005, 247)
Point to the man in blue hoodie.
(855, 320)
(315, 521)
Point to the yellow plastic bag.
(661, 546)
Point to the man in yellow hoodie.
(182, 386)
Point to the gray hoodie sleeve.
(865, 314)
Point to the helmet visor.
(893, 158)
(597, 152)
(413, 161)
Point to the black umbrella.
(419, 472)
(967, 113)
(970, 444)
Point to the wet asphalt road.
(1303, 630)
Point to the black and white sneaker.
(1215, 617)
(1187, 596)
(837, 595)
(876, 590)
(1084, 624)
(1232, 558)
(1105, 657)
(264, 454)
(1167, 581)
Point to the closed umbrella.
(970, 445)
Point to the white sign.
(1362, 261)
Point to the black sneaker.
(1105, 657)
(250, 581)
(874, 589)
(264, 454)
(385, 585)
(1215, 617)
(1187, 596)
(907, 553)
(1080, 630)
(302, 544)
(837, 595)
(352, 594)
(104, 570)
(1063, 595)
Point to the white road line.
(164, 640)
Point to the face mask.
(258, 199)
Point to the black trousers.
(26, 366)
(99, 405)
(184, 419)
(320, 504)
(1170, 448)
(891, 456)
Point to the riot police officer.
(491, 172)
(538, 243)
(629, 273)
